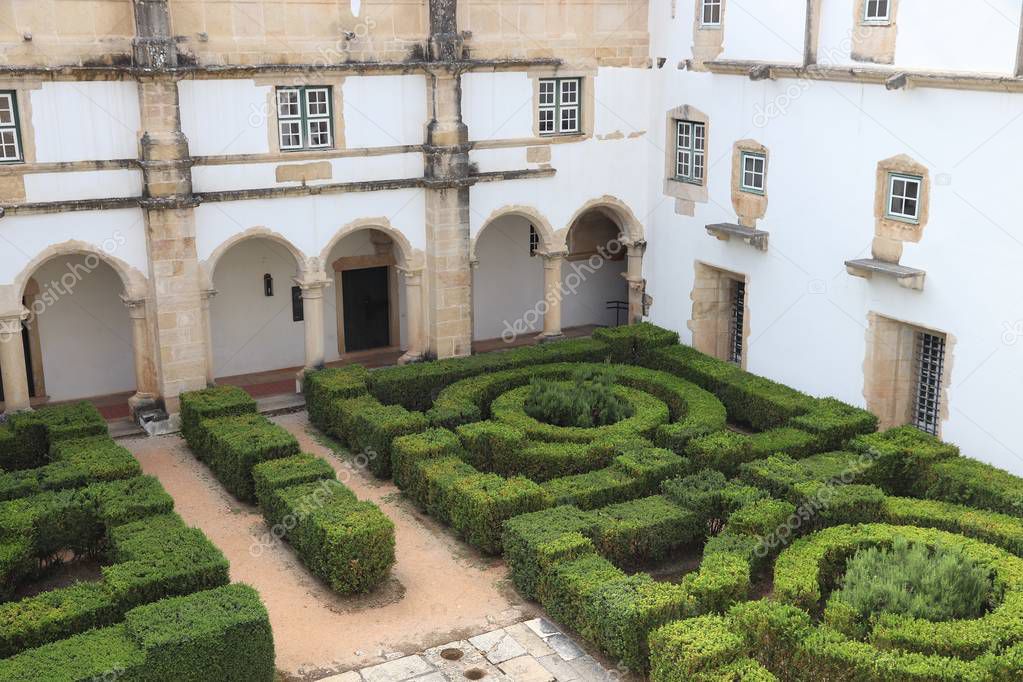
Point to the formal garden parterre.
(779, 493)
(163, 607)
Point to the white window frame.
(904, 196)
(877, 17)
(747, 172)
(690, 151)
(556, 98)
(11, 129)
(303, 117)
(711, 7)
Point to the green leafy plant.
(914, 580)
(587, 401)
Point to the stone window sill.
(910, 278)
(725, 231)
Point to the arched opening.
(366, 311)
(77, 338)
(255, 316)
(508, 280)
(596, 292)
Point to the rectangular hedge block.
(220, 401)
(374, 428)
(481, 504)
(275, 474)
(234, 445)
(408, 451)
(323, 387)
(533, 541)
(643, 530)
(629, 343)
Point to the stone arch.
(615, 209)
(407, 257)
(551, 242)
(209, 266)
(134, 282)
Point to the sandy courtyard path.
(439, 591)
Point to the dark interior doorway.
(367, 308)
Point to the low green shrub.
(325, 386)
(492, 446)
(275, 474)
(723, 450)
(481, 504)
(534, 541)
(644, 530)
(761, 518)
(785, 440)
(967, 481)
(566, 587)
(221, 401)
(408, 451)
(587, 401)
(998, 529)
(340, 417)
(628, 343)
(911, 579)
(375, 427)
(833, 423)
(348, 543)
(233, 445)
(684, 649)
(649, 413)
(416, 386)
(26, 439)
(76, 463)
(592, 489)
(435, 484)
(620, 614)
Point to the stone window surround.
(890, 233)
(687, 193)
(12, 187)
(873, 41)
(710, 321)
(749, 206)
(335, 83)
(889, 370)
(587, 102)
(708, 41)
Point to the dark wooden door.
(367, 308)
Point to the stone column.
(312, 314)
(552, 294)
(634, 276)
(414, 316)
(447, 180)
(12, 363)
(142, 349)
(206, 296)
(180, 336)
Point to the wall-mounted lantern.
(268, 284)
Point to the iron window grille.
(560, 107)
(877, 11)
(711, 14)
(904, 197)
(305, 118)
(737, 322)
(10, 128)
(534, 241)
(754, 172)
(930, 363)
(690, 152)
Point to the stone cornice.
(891, 78)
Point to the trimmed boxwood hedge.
(325, 386)
(416, 386)
(221, 401)
(74, 463)
(26, 438)
(348, 543)
(221, 634)
(629, 343)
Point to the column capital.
(637, 244)
(136, 306)
(550, 256)
(312, 285)
(11, 322)
(207, 294)
(412, 275)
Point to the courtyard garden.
(685, 519)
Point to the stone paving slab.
(531, 651)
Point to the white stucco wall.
(84, 329)
(86, 121)
(808, 317)
(253, 332)
(508, 282)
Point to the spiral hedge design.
(768, 480)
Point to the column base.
(547, 338)
(142, 401)
(410, 358)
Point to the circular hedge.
(804, 573)
(648, 413)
